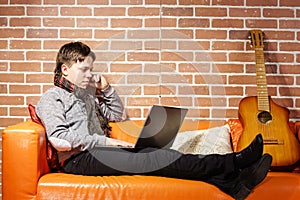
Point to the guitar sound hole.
(264, 117)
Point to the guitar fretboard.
(261, 81)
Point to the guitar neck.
(261, 81)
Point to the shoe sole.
(259, 172)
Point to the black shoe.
(250, 154)
(252, 176)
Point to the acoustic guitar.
(259, 114)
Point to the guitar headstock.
(257, 40)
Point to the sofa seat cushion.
(68, 186)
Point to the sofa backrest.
(24, 160)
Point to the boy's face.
(79, 73)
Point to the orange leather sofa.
(26, 174)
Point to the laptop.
(161, 127)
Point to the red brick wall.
(191, 53)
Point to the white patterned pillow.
(210, 141)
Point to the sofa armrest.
(24, 160)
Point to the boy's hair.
(70, 53)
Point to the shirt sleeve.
(51, 111)
(112, 106)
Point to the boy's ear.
(64, 70)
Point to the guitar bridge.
(273, 141)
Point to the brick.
(289, 46)
(11, 55)
(176, 34)
(178, 11)
(25, 44)
(228, 68)
(161, 90)
(3, 21)
(205, 56)
(194, 67)
(54, 44)
(261, 3)
(87, 22)
(12, 10)
(143, 34)
(227, 90)
(37, 2)
(241, 57)
(18, 111)
(42, 33)
(223, 45)
(126, 2)
(244, 12)
(40, 55)
(210, 79)
(214, 12)
(76, 33)
(92, 2)
(58, 2)
(279, 57)
(289, 3)
(232, 23)
(211, 34)
(105, 34)
(270, 46)
(187, 22)
(59, 22)
(142, 56)
(211, 102)
(278, 13)
(110, 56)
(289, 24)
(142, 101)
(4, 122)
(126, 67)
(75, 11)
(3, 44)
(257, 23)
(12, 33)
(48, 67)
(25, 66)
(142, 79)
(3, 111)
(280, 80)
(25, 21)
(126, 45)
(289, 69)
(160, 22)
(41, 78)
(3, 66)
(228, 2)
(126, 23)
(114, 11)
(3, 88)
(288, 91)
(194, 45)
(279, 35)
(239, 34)
(24, 89)
(143, 11)
(41, 11)
(193, 90)
(194, 2)
(177, 56)
(160, 45)
(242, 79)
(177, 101)
(11, 100)
(176, 78)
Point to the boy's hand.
(99, 82)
